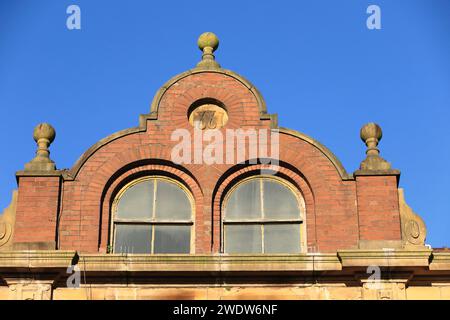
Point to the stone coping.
(210, 263)
(386, 258)
(441, 261)
(307, 262)
(390, 172)
(36, 259)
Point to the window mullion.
(261, 198)
(262, 238)
(261, 190)
(152, 246)
(155, 188)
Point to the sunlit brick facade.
(347, 221)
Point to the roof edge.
(154, 107)
(327, 152)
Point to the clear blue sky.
(315, 62)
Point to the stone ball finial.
(208, 39)
(371, 131)
(44, 131)
(44, 134)
(371, 134)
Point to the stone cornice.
(36, 259)
(210, 263)
(441, 261)
(390, 172)
(385, 258)
(310, 262)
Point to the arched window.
(153, 215)
(263, 214)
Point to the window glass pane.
(245, 202)
(172, 203)
(137, 202)
(172, 239)
(284, 238)
(133, 238)
(279, 201)
(243, 239)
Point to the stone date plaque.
(208, 117)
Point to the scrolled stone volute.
(413, 227)
(7, 222)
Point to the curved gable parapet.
(324, 150)
(208, 130)
(153, 115)
(72, 173)
(154, 107)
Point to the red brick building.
(279, 209)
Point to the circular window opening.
(207, 114)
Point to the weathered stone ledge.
(385, 258)
(441, 261)
(225, 263)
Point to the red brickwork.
(378, 208)
(338, 211)
(37, 209)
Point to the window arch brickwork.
(254, 170)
